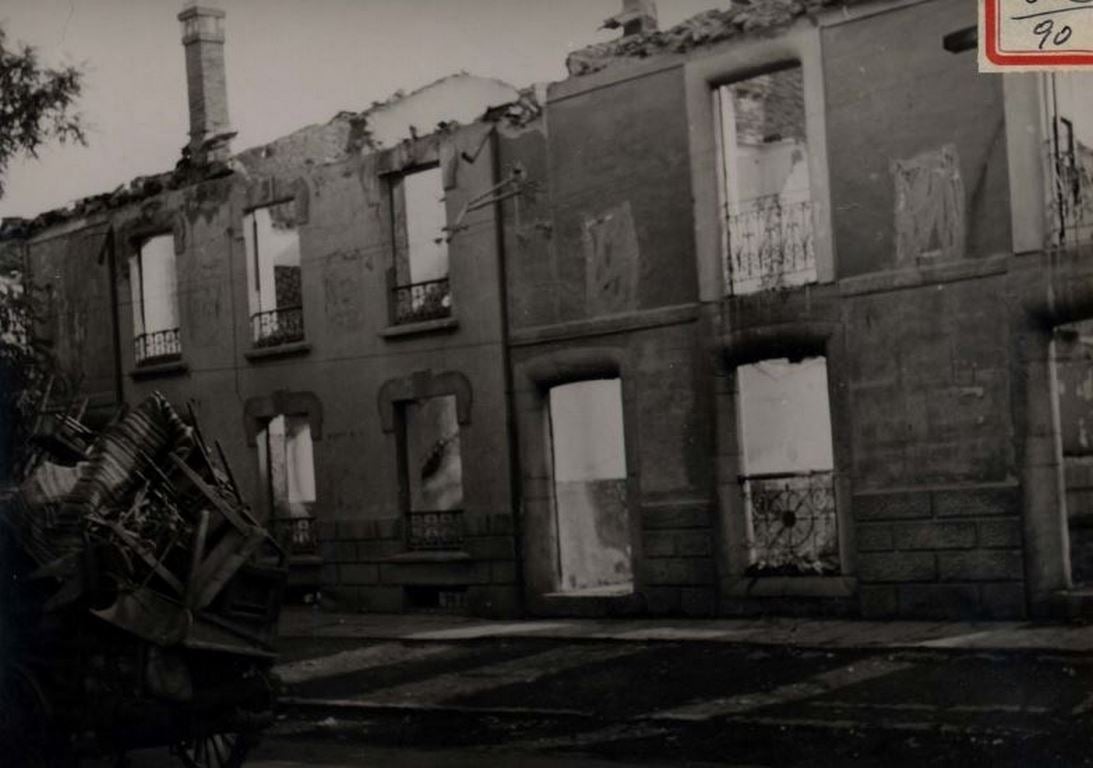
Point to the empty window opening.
(593, 518)
(788, 470)
(1073, 375)
(422, 290)
(286, 466)
(432, 467)
(1069, 157)
(273, 273)
(154, 284)
(764, 179)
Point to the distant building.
(783, 309)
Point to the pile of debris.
(740, 19)
(140, 524)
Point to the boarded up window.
(611, 259)
(929, 206)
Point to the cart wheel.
(214, 750)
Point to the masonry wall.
(919, 331)
(352, 366)
(902, 108)
(70, 272)
(602, 283)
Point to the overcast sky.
(290, 63)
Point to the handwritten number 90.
(1044, 30)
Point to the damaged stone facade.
(351, 373)
(587, 245)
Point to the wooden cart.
(140, 599)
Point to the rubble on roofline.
(740, 19)
(188, 172)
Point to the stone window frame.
(1024, 99)
(258, 201)
(393, 165)
(154, 221)
(262, 192)
(259, 410)
(796, 340)
(702, 76)
(421, 385)
(534, 379)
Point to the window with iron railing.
(154, 285)
(420, 289)
(787, 471)
(286, 470)
(274, 275)
(766, 199)
(1069, 158)
(158, 346)
(432, 474)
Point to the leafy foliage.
(28, 369)
(37, 103)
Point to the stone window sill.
(415, 329)
(159, 370)
(430, 556)
(281, 350)
(792, 586)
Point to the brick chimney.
(637, 17)
(203, 39)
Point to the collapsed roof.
(742, 18)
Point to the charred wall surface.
(602, 285)
(346, 373)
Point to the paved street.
(431, 690)
(679, 701)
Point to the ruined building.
(785, 308)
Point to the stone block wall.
(678, 570)
(367, 567)
(945, 553)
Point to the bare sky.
(290, 63)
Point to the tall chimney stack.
(203, 39)
(637, 17)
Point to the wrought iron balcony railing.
(157, 347)
(1070, 191)
(770, 245)
(298, 533)
(428, 300)
(278, 326)
(435, 530)
(792, 524)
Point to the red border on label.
(995, 56)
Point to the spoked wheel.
(214, 750)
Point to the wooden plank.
(212, 587)
(150, 561)
(236, 518)
(228, 471)
(196, 555)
